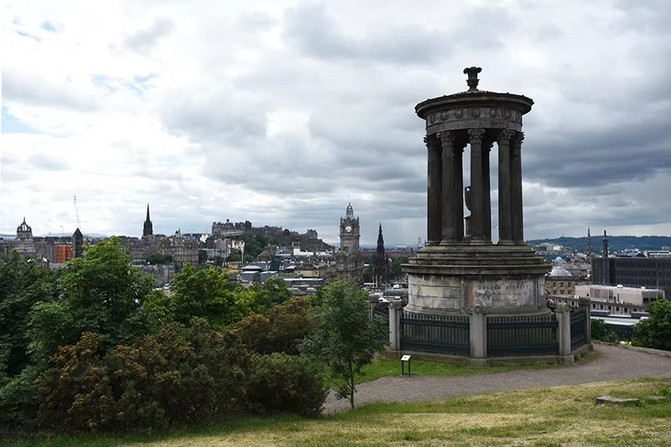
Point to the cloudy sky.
(281, 112)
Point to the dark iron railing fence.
(579, 322)
(381, 311)
(435, 333)
(622, 332)
(520, 336)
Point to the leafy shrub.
(281, 329)
(655, 332)
(285, 383)
(179, 374)
(600, 332)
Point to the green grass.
(566, 416)
(384, 367)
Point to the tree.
(655, 332)
(22, 284)
(99, 292)
(209, 294)
(271, 293)
(157, 258)
(343, 337)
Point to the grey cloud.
(215, 113)
(49, 163)
(144, 40)
(317, 34)
(34, 89)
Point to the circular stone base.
(503, 279)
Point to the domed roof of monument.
(349, 212)
(474, 96)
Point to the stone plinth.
(506, 280)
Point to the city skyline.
(281, 113)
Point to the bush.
(179, 374)
(655, 332)
(285, 383)
(600, 332)
(280, 330)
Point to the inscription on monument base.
(503, 293)
(429, 293)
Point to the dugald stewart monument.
(461, 272)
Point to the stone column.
(516, 188)
(563, 314)
(477, 186)
(478, 337)
(505, 208)
(486, 190)
(395, 311)
(449, 198)
(434, 182)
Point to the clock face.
(348, 229)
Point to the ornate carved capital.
(518, 138)
(446, 138)
(505, 135)
(476, 135)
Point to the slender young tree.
(344, 337)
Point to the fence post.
(395, 311)
(586, 306)
(563, 314)
(478, 337)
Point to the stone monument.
(460, 268)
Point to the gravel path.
(612, 363)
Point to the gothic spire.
(148, 228)
(381, 264)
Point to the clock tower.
(349, 259)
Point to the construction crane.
(74, 199)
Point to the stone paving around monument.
(609, 363)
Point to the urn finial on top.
(473, 80)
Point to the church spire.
(148, 228)
(589, 243)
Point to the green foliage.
(655, 332)
(157, 258)
(395, 271)
(22, 284)
(18, 400)
(202, 257)
(600, 331)
(100, 292)
(343, 337)
(271, 293)
(281, 329)
(209, 294)
(286, 383)
(179, 374)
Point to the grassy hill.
(549, 417)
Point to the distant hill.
(615, 243)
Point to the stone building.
(633, 272)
